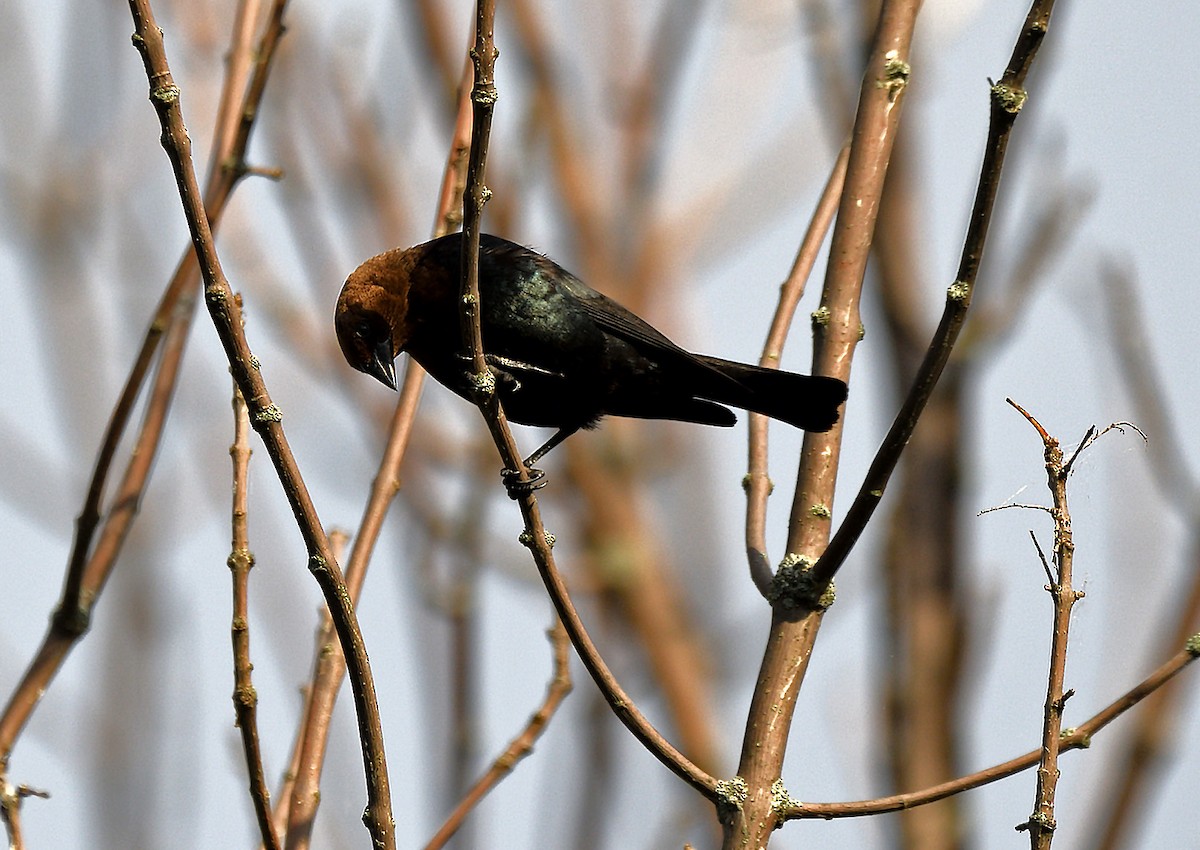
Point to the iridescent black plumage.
(563, 354)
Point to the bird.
(562, 354)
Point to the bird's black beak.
(382, 366)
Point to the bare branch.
(1077, 738)
(750, 810)
(535, 535)
(241, 560)
(758, 486)
(520, 746)
(1007, 97)
(267, 418)
(90, 566)
(1041, 823)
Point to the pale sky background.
(90, 229)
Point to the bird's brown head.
(371, 315)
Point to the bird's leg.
(537, 478)
(560, 435)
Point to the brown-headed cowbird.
(563, 355)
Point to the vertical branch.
(476, 192)
(267, 419)
(241, 560)
(753, 811)
(475, 196)
(1041, 823)
(757, 485)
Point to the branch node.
(483, 385)
(245, 697)
(74, 621)
(1084, 741)
(165, 94)
(749, 477)
(731, 794)
(820, 511)
(1193, 645)
(895, 74)
(317, 565)
(1040, 821)
(240, 559)
(794, 586)
(1061, 702)
(821, 317)
(1009, 98)
(270, 413)
(527, 540)
(781, 801)
(959, 291)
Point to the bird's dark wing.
(617, 320)
(612, 318)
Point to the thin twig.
(1025, 506)
(266, 418)
(757, 484)
(520, 746)
(241, 560)
(11, 797)
(1042, 557)
(626, 255)
(1076, 738)
(1088, 439)
(1041, 823)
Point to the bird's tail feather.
(810, 402)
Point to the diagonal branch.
(1007, 98)
(298, 809)
(1076, 738)
(267, 419)
(520, 746)
(535, 536)
(89, 566)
